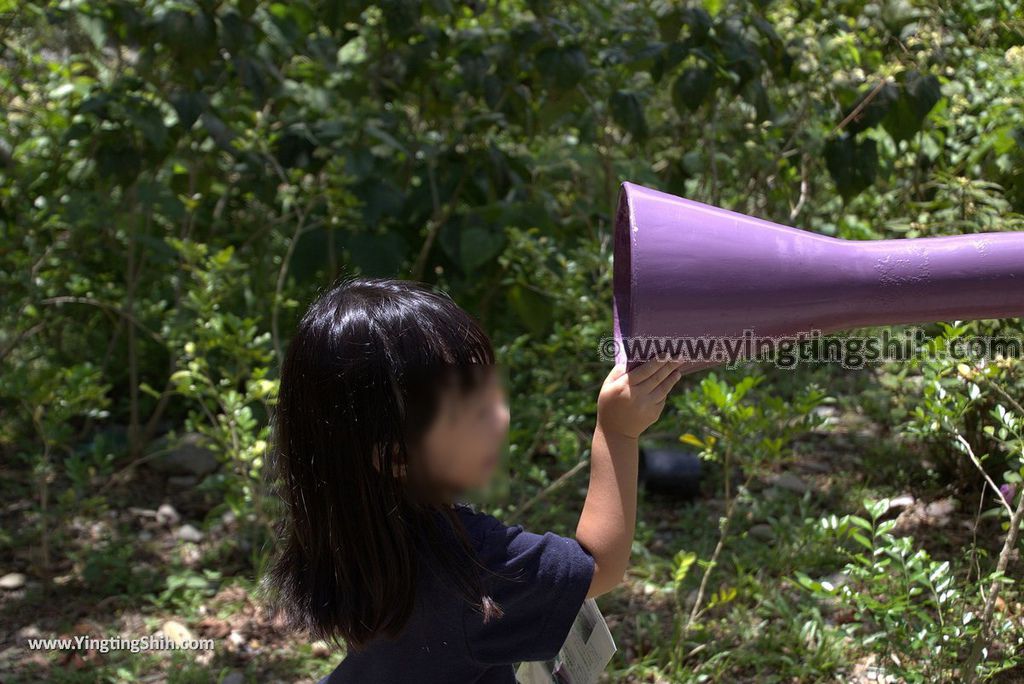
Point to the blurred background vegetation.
(178, 179)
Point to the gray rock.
(12, 580)
(762, 531)
(716, 506)
(941, 508)
(815, 466)
(167, 515)
(789, 482)
(141, 512)
(185, 456)
(189, 533)
(233, 677)
(182, 482)
(901, 501)
(28, 632)
(176, 632)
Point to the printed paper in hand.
(586, 652)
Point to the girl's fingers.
(644, 371)
(660, 374)
(660, 392)
(617, 371)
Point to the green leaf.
(563, 67)
(872, 113)
(699, 22)
(715, 391)
(741, 55)
(918, 94)
(682, 561)
(669, 23)
(148, 389)
(877, 508)
(860, 522)
(188, 105)
(723, 595)
(118, 159)
(940, 570)
(713, 6)
(629, 113)
(862, 540)
(691, 89)
(223, 256)
(93, 27)
(532, 308)
(181, 376)
(807, 583)
(149, 121)
(755, 93)
(473, 66)
(924, 91)
(851, 163)
(477, 246)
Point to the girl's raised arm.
(628, 404)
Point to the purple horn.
(684, 269)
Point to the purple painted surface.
(687, 269)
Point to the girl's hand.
(629, 403)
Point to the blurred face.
(463, 446)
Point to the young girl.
(390, 408)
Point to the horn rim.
(622, 273)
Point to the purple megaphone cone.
(683, 269)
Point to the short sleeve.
(543, 584)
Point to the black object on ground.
(673, 472)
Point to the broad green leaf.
(629, 113)
(851, 163)
(691, 89)
(532, 308)
(862, 540)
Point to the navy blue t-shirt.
(544, 581)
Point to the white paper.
(583, 657)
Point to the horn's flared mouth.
(622, 276)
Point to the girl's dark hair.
(363, 375)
